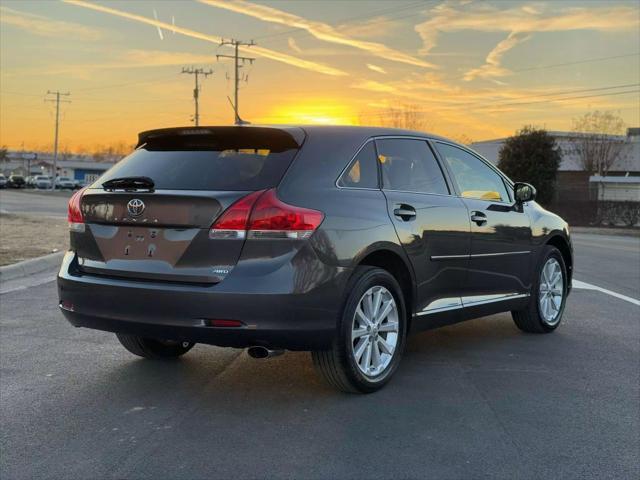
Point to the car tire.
(344, 365)
(154, 349)
(546, 305)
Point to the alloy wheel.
(375, 331)
(551, 292)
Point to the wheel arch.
(563, 245)
(397, 266)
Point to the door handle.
(478, 218)
(405, 212)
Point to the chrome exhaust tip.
(263, 352)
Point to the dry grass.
(23, 237)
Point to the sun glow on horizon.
(320, 112)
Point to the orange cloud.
(255, 50)
(320, 30)
(376, 68)
(45, 27)
(520, 22)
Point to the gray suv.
(335, 240)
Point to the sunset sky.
(474, 69)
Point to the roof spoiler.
(278, 137)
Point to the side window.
(409, 165)
(474, 178)
(363, 171)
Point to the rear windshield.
(206, 165)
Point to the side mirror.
(524, 192)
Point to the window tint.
(474, 178)
(409, 165)
(363, 171)
(250, 168)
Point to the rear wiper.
(129, 183)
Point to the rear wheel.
(548, 295)
(371, 334)
(151, 348)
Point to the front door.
(500, 260)
(430, 221)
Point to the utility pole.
(55, 142)
(196, 90)
(238, 66)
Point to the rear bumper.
(276, 311)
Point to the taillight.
(261, 215)
(272, 218)
(74, 215)
(234, 221)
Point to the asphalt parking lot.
(474, 400)
(35, 202)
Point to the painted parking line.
(588, 286)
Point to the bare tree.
(65, 152)
(598, 141)
(405, 116)
(461, 138)
(110, 152)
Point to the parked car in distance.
(65, 183)
(16, 181)
(78, 184)
(336, 240)
(3, 181)
(42, 182)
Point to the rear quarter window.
(362, 172)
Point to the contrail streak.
(155, 15)
(320, 30)
(257, 50)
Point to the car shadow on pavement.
(492, 342)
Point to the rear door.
(163, 233)
(500, 232)
(431, 223)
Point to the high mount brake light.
(74, 212)
(261, 215)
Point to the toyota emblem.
(135, 207)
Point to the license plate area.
(124, 242)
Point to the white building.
(621, 183)
(629, 162)
(78, 167)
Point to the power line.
(573, 98)
(57, 101)
(555, 65)
(552, 94)
(237, 59)
(510, 102)
(126, 84)
(196, 91)
(577, 62)
(381, 113)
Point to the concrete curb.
(31, 266)
(614, 231)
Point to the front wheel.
(151, 348)
(548, 295)
(371, 334)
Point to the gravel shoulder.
(29, 236)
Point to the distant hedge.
(532, 156)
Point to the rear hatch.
(149, 217)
